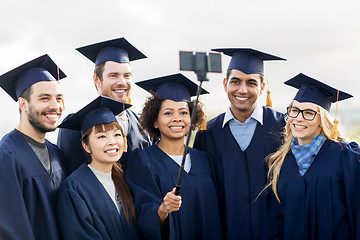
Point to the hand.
(170, 203)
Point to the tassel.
(203, 125)
(268, 99)
(128, 100)
(125, 142)
(334, 130)
(63, 103)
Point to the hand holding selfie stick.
(200, 63)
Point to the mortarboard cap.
(102, 110)
(116, 50)
(247, 60)
(175, 87)
(314, 91)
(16, 81)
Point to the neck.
(172, 147)
(27, 129)
(102, 167)
(241, 116)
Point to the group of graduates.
(253, 172)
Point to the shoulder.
(131, 114)
(271, 113)
(78, 177)
(216, 121)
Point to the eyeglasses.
(307, 114)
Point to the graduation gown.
(324, 203)
(151, 173)
(86, 211)
(28, 191)
(69, 142)
(242, 175)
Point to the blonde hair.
(276, 160)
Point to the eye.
(309, 113)
(184, 113)
(118, 135)
(294, 110)
(167, 113)
(234, 82)
(253, 82)
(101, 136)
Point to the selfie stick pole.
(201, 78)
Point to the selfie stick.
(186, 149)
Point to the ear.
(97, 81)
(86, 147)
(156, 124)
(262, 87)
(225, 84)
(23, 104)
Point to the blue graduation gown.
(70, 145)
(151, 174)
(242, 175)
(28, 191)
(325, 202)
(86, 211)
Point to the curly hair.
(151, 111)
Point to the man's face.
(45, 106)
(116, 81)
(243, 91)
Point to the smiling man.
(30, 166)
(113, 78)
(239, 141)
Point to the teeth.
(51, 116)
(176, 128)
(241, 98)
(119, 91)
(111, 151)
(298, 126)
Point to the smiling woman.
(161, 213)
(102, 181)
(316, 168)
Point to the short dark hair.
(228, 73)
(26, 95)
(151, 111)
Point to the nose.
(121, 80)
(242, 88)
(300, 117)
(111, 140)
(55, 104)
(177, 118)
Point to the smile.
(242, 98)
(120, 90)
(298, 126)
(52, 116)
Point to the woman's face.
(105, 147)
(173, 120)
(305, 130)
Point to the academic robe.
(151, 174)
(86, 211)
(324, 203)
(242, 175)
(69, 142)
(28, 191)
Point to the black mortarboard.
(314, 91)
(16, 81)
(247, 60)
(116, 50)
(175, 87)
(102, 110)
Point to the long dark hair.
(117, 173)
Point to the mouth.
(112, 152)
(121, 91)
(242, 98)
(52, 116)
(177, 128)
(300, 127)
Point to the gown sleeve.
(14, 219)
(74, 216)
(351, 166)
(146, 193)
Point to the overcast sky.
(320, 38)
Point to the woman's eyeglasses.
(307, 114)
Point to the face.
(173, 120)
(105, 147)
(302, 129)
(116, 81)
(45, 106)
(243, 91)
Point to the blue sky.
(318, 38)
